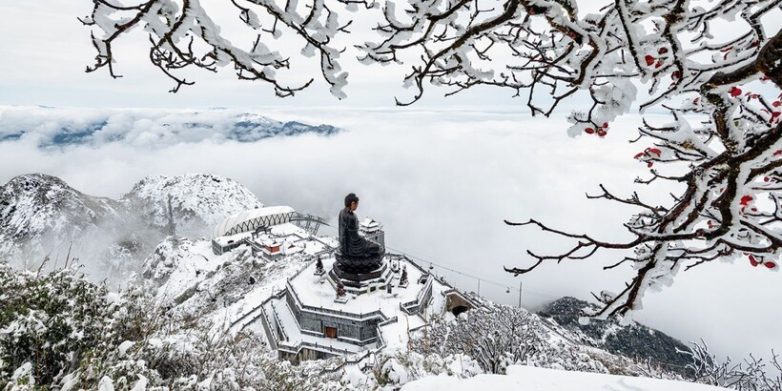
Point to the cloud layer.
(442, 182)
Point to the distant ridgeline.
(51, 127)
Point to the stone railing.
(414, 306)
(271, 336)
(277, 323)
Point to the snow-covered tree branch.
(183, 35)
(719, 86)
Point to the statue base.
(358, 266)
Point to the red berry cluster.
(776, 115)
(657, 61)
(601, 131)
(755, 262)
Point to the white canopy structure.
(250, 220)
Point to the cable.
(480, 278)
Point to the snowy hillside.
(529, 378)
(55, 127)
(631, 340)
(41, 215)
(198, 201)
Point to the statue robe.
(350, 242)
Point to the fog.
(441, 182)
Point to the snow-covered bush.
(497, 336)
(752, 373)
(47, 323)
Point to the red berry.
(775, 114)
(745, 200)
(770, 265)
(659, 63)
(753, 261)
(639, 155)
(735, 91)
(655, 151)
(776, 103)
(589, 130)
(765, 179)
(601, 132)
(605, 125)
(649, 59)
(649, 164)
(662, 50)
(676, 75)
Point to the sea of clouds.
(442, 182)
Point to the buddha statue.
(356, 254)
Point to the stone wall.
(365, 331)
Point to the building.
(320, 314)
(224, 244)
(372, 230)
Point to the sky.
(441, 176)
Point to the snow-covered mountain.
(198, 201)
(631, 340)
(55, 127)
(41, 215)
(36, 209)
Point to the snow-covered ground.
(526, 378)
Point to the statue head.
(351, 201)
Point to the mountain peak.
(197, 200)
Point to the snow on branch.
(182, 35)
(723, 142)
(752, 373)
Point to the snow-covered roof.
(226, 240)
(251, 219)
(369, 224)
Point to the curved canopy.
(250, 220)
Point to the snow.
(124, 346)
(106, 384)
(207, 198)
(526, 378)
(141, 384)
(186, 265)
